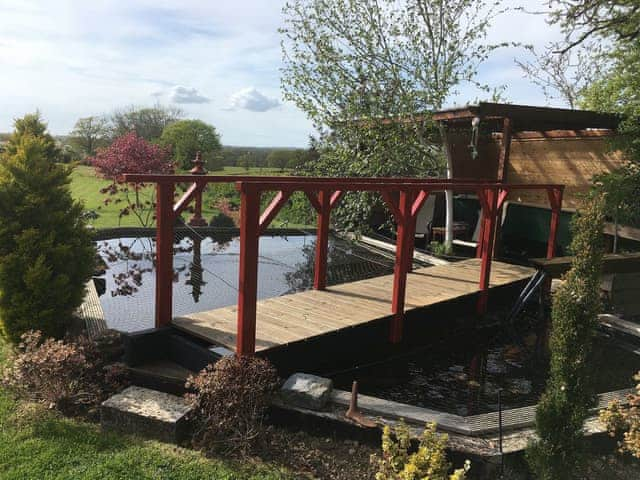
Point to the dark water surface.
(457, 372)
(464, 375)
(206, 273)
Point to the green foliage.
(428, 462)
(569, 395)
(439, 248)
(187, 137)
(148, 123)
(88, 134)
(619, 91)
(623, 420)
(621, 190)
(32, 125)
(368, 73)
(46, 253)
(37, 443)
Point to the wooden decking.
(299, 316)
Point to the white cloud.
(184, 95)
(253, 100)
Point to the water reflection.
(206, 272)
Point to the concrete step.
(148, 413)
(164, 375)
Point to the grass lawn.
(40, 445)
(86, 186)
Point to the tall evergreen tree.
(32, 125)
(570, 393)
(46, 253)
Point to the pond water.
(206, 273)
(463, 374)
(456, 372)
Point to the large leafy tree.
(369, 72)
(187, 137)
(89, 133)
(147, 122)
(615, 24)
(46, 252)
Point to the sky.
(218, 60)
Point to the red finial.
(198, 168)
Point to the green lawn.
(40, 445)
(86, 186)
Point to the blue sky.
(218, 60)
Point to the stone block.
(306, 391)
(147, 413)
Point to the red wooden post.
(322, 241)
(401, 268)
(483, 213)
(164, 254)
(248, 283)
(489, 221)
(555, 198)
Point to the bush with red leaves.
(72, 376)
(131, 154)
(231, 399)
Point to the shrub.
(46, 251)
(570, 394)
(624, 420)
(231, 399)
(67, 375)
(429, 461)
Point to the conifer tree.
(31, 125)
(570, 394)
(46, 253)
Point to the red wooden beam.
(502, 196)
(393, 205)
(489, 218)
(272, 210)
(335, 198)
(192, 192)
(313, 200)
(164, 254)
(555, 199)
(322, 241)
(248, 272)
(418, 202)
(401, 268)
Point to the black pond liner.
(460, 369)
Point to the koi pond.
(464, 374)
(455, 372)
(206, 273)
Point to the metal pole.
(500, 430)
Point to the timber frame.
(404, 197)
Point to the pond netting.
(205, 266)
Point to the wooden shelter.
(525, 144)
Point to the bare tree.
(564, 74)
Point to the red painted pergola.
(403, 196)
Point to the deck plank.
(299, 316)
